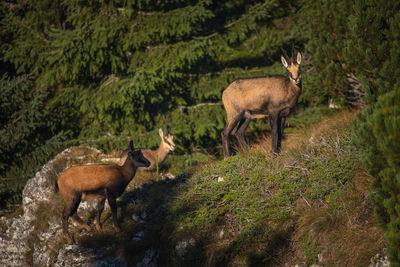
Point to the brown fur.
(167, 144)
(101, 181)
(251, 98)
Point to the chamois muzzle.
(171, 146)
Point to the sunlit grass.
(253, 208)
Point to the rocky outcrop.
(34, 239)
(23, 243)
(15, 248)
(12, 245)
(74, 255)
(380, 260)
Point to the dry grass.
(83, 155)
(345, 232)
(309, 135)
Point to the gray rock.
(182, 246)
(74, 255)
(18, 248)
(150, 259)
(138, 236)
(380, 260)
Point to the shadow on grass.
(161, 232)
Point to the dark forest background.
(100, 73)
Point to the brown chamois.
(167, 144)
(102, 181)
(249, 98)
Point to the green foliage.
(26, 142)
(377, 134)
(108, 65)
(371, 52)
(355, 53)
(251, 195)
(310, 252)
(353, 43)
(101, 73)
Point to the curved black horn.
(168, 128)
(285, 54)
(293, 53)
(131, 145)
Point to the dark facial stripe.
(166, 141)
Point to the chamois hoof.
(275, 153)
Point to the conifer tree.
(359, 42)
(108, 70)
(377, 134)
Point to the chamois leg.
(99, 210)
(280, 132)
(244, 123)
(113, 206)
(274, 123)
(75, 217)
(232, 121)
(71, 205)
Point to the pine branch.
(181, 108)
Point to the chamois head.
(167, 140)
(137, 157)
(293, 68)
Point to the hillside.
(309, 205)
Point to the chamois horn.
(131, 145)
(294, 60)
(285, 54)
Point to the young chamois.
(155, 156)
(250, 98)
(101, 181)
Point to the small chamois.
(101, 181)
(250, 98)
(155, 156)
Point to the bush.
(377, 135)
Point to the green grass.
(253, 209)
(258, 193)
(258, 203)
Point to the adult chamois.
(101, 181)
(155, 156)
(273, 96)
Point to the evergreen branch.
(216, 73)
(181, 108)
(253, 12)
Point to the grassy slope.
(254, 209)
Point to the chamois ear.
(284, 62)
(160, 132)
(131, 145)
(298, 59)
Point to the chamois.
(102, 181)
(167, 144)
(273, 96)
